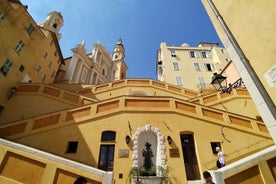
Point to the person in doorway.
(80, 180)
(221, 158)
(208, 178)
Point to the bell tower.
(53, 22)
(118, 59)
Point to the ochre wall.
(253, 26)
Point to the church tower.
(118, 58)
(53, 22)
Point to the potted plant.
(136, 172)
(164, 173)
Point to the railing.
(257, 159)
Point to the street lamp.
(220, 83)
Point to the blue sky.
(141, 24)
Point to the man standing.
(221, 157)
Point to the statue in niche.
(149, 169)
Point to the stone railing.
(21, 164)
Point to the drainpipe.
(268, 101)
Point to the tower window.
(6, 67)
(53, 73)
(55, 26)
(45, 55)
(72, 147)
(44, 78)
(50, 64)
(38, 69)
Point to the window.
(106, 158)
(21, 68)
(1, 109)
(173, 54)
(192, 54)
(94, 79)
(50, 64)
(45, 55)
(38, 69)
(179, 81)
(19, 46)
(44, 78)
(214, 145)
(222, 51)
(108, 136)
(52, 42)
(209, 67)
(103, 72)
(202, 83)
(6, 67)
(72, 147)
(53, 73)
(30, 29)
(175, 66)
(98, 56)
(2, 17)
(196, 66)
(204, 54)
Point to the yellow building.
(190, 67)
(28, 52)
(105, 129)
(247, 31)
(55, 132)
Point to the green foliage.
(163, 171)
(148, 172)
(136, 171)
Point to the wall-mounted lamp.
(12, 91)
(127, 139)
(220, 83)
(169, 139)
